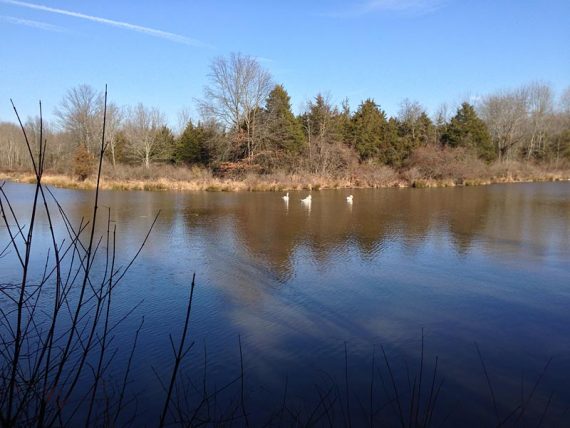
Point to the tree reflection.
(272, 232)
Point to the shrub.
(83, 163)
(435, 163)
(236, 170)
(515, 171)
(374, 175)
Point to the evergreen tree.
(466, 129)
(415, 124)
(559, 148)
(396, 147)
(193, 145)
(121, 148)
(165, 144)
(369, 125)
(426, 130)
(345, 123)
(321, 120)
(283, 131)
(412, 132)
(323, 127)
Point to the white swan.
(307, 200)
(286, 197)
(349, 199)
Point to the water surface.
(475, 265)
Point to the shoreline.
(268, 184)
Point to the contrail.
(177, 38)
(33, 24)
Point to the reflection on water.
(296, 279)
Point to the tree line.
(247, 125)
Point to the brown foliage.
(237, 170)
(83, 163)
(374, 175)
(515, 171)
(435, 163)
(124, 172)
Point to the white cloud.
(34, 24)
(177, 38)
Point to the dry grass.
(428, 167)
(436, 167)
(371, 175)
(514, 171)
(173, 173)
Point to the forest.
(248, 137)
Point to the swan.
(286, 197)
(307, 199)
(349, 199)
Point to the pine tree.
(165, 144)
(466, 129)
(426, 128)
(396, 147)
(414, 123)
(283, 131)
(368, 131)
(192, 147)
(323, 125)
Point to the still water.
(297, 283)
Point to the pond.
(324, 297)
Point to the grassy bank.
(163, 177)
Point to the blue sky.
(158, 52)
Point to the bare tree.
(505, 115)
(410, 111)
(442, 115)
(80, 114)
(565, 101)
(14, 154)
(321, 121)
(520, 121)
(184, 117)
(540, 102)
(440, 120)
(561, 127)
(409, 114)
(115, 116)
(238, 87)
(142, 127)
